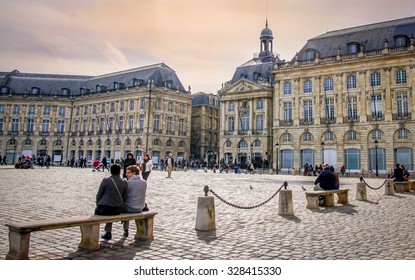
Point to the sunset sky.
(202, 40)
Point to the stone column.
(205, 218)
(389, 187)
(361, 191)
(285, 203)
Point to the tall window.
(307, 137)
(101, 124)
(15, 125)
(286, 137)
(1, 109)
(260, 104)
(287, 88)
(308, 110)
(245, 122)
(76, 126)
(181, 126)
(111, 124)
(142, 103)
(86, 110)
(352, 159)
(352, 108)
(376, 134)
(130, 122)
(402, 104)
(169, 124)
(103, 108)
(376, 105)
(158, 104)
(170, 106)
(288, 111)
(231, 106)
(141, 123)
(61, 111)
(112, 107)
(375, 79)
(329, 136)
(401, 76)
(1, 125)
(122, 106)
(45, 126)
(132, 105)
(231, 124)
(30, 125)
(404, 156)
(120, 123)
(61, 126)
(31, 110)
(156, 123)
(181, 108)
(329, 108)
(16, 109)
(84, 125)
(260, 122)
(351, 82)
(329, 84)
(308, 86)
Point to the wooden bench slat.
(37, 225)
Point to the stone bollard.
(285, 203)
(361, 191)
(271, 171)
(389, 187)
(205, 217)
(185, 169)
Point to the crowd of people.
(26, 162)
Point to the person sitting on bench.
(325, 180)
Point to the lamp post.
(252, 147)
(322, 151)
(376, 157)
(276, 150)
(61, 154)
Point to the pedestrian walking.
(170, 164)
(146, 167)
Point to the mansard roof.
(160, 74)
(371, 37)
(202, 98)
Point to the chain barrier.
(249, 207)
(363, 181)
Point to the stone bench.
(313, 201)
(412, 185)
(402, 187)
(19, 232)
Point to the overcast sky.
(202, 40)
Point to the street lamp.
(322, 151)
(376, 157)
(276, 150)
(252, 147)
(61, 154)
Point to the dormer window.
(137, 82)
(310, 54)
(169, 84)
(116, 85)
(352, 48)
(35, 90)
(401, 41)
(5, 90)
(65, 91)
(98, 88)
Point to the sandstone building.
(136, 110)
(347, 98)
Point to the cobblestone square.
(381, 228)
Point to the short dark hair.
(115, 169)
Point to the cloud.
(115, 56)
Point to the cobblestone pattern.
(381, 228)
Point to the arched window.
(351, 135)
(376, 134)
(182, 144)
(169, 143)
(228, 144)
(81, 142)
(307, 137)
(108, 142)
(43, 142)
(73, 143)
(139, 142)
(310, 54)
(27, 142)
(286, 137)
(403, 133)
(12, 142)
(99, 142)
(257, 143)
(329, 136)
(156, 142)
(117, 142)
(128, 142)
(242, 144)
(353, 48)
(90, 143)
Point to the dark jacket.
(398, 174)
(326, 179)
(108, 195)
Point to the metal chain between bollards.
(249, 207)
(363, 181)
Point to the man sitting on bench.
(324, 181)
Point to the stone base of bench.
(19, 233)
(313, 198)
(402, 187)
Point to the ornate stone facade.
(137, 110)
(205, 127)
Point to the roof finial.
(266, 23)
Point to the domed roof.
(266, 32)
